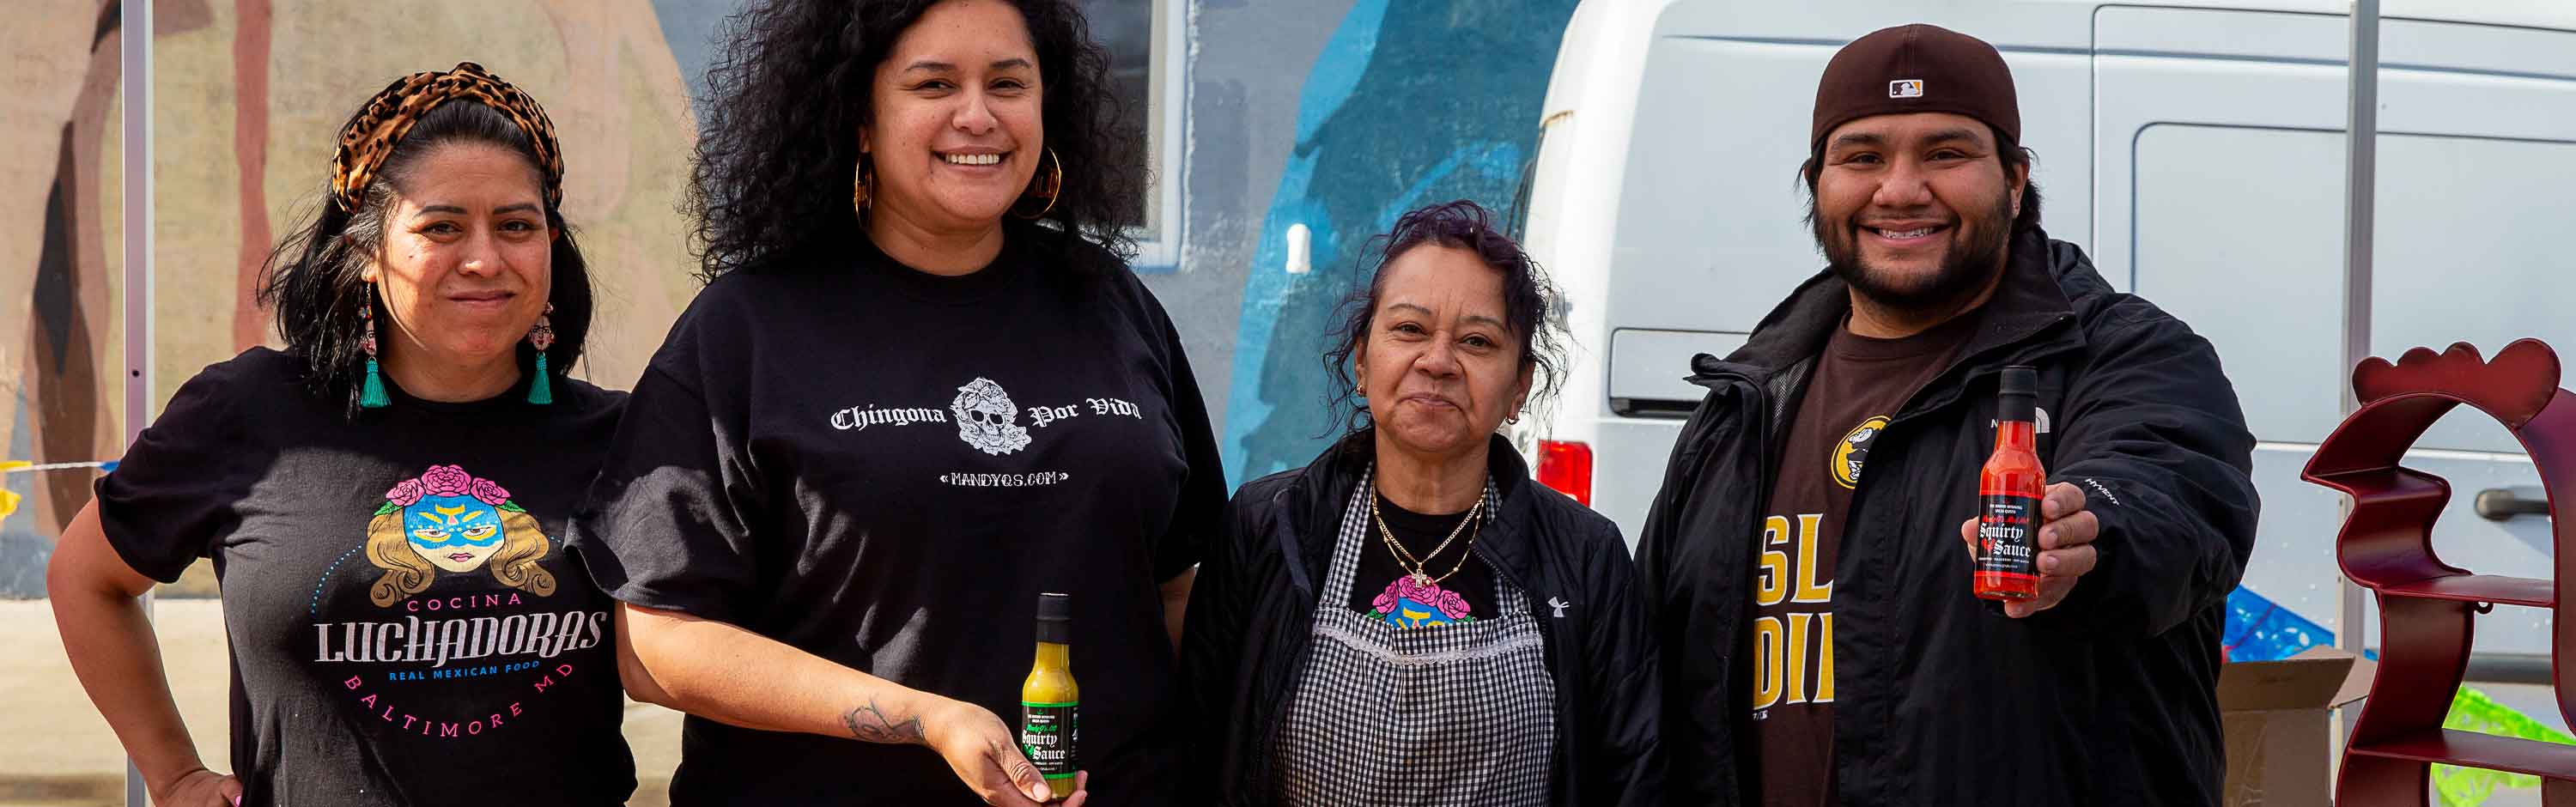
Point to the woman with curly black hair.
(920, 389)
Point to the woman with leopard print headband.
(384, 500)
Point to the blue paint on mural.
(1411, 102)
(1338, 68)
(23, 551)
(694, 30)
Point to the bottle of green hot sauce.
(1050, 704)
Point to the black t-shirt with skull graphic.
(885, 468)
(407, 626)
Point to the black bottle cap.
(2020, 394)
(2021, 380)
(1055, 618)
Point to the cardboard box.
(2279, 723)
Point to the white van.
(2194, 149)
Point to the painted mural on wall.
(59, 172)
(1411, 102)
(247, 97)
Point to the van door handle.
(2499, 504)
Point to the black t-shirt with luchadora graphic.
(406, 623)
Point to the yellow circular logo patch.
(1853, 450)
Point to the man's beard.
(1965, 267)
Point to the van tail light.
(1566, 466)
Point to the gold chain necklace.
(1415, 566)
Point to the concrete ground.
(55, 751)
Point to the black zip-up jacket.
(2107, 699)
(1245, 639)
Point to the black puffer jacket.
(1244, 645)
(2108, 699)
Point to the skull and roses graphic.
(986, 419)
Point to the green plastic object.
(2472, 710)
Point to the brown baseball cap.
(1916, 68)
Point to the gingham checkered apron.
(1460, 714)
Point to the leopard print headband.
(368, 138)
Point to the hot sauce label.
(2007, 536)
(1048, 734)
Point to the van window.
(2239, 232)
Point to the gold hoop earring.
(859, 197)
(1053, 186)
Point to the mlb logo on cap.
(1933, 69)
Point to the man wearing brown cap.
(1820, 641)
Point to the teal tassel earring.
(372, 395)
(541, 389)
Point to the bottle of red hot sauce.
(2008, 494)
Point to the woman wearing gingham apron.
(1379, 704)
(1410, 619)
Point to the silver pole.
(136, 36)
(2361, 160)
(134, 41)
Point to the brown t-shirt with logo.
(1858, 385)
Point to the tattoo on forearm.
(870, 723)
